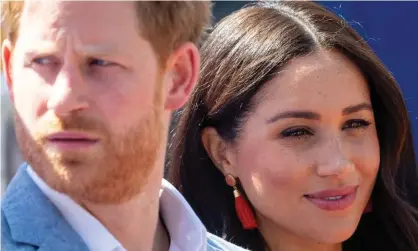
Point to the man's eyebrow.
(90, 49)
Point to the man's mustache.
(51, 123)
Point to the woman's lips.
(333, 199)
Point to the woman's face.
(308, 156)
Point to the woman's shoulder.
(216, 243)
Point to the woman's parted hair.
(243, 52)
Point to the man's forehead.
(43, 28)
(47, 9)
(42, 19)
(58, 13)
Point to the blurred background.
(391, 28)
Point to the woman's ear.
(220, 152)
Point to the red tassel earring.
(244, 211)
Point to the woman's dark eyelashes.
(356, 124)
(298, 132)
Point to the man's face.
(87, 90)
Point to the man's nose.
(68, 91)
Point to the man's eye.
(100, 62)
(43, 61)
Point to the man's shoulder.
(216, 243)
(16, 205)
(7, 242)
(29, 219)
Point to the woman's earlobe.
(217, 150)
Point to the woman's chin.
(334, 237)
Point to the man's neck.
(135, 223)
(161, 238)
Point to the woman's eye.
(296, 133)
(356, 124)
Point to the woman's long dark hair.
(245, 50)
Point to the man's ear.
(6, 59)
(220, 152)
(183, 68)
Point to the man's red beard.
(115, 171)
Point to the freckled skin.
(331, 155)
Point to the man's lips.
(68, 140)
(71, 136)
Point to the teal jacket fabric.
(29, 221)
